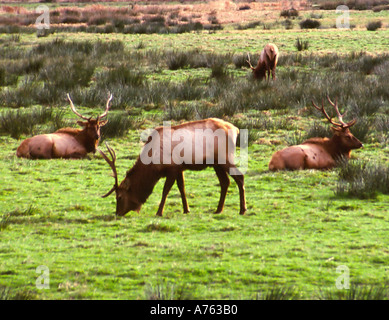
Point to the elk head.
(259, 72)
(125, 198)
(341, 130)
(92, 126)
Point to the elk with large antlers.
(171, 150)
(319, 153)
(267, 62)
(67, 143)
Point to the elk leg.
(224, 184)
(181, 187)
(166, 188)
(239, 179)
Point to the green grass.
(296, 232)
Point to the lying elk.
(66, 142)
(319, 153)
(267, 62)
(159, 158)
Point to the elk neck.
(89, 143)
(143, 179)
(337, 149)
(260, 71)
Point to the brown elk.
(194, 154)
(319, 153)
(267, 62)
(67, 143)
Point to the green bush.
(373, 25)
(119, 124)
(363, 180)
(287, 13)
(16, 123)
(301, 45)
(310, 24)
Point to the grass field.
(299, 228)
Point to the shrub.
(177, 60)
(356, 292)
(180, 111)
(244, 7)
(301, 45)
(219, 71)
(118, 125)
(373, 25)
(7, 79)
(287, 23)
(122, 75)
(278, 293)
(310, 24)
(318, 130)
(239, 60)
(67, 73)
(381, 125)
(287, 13)
(381, 7)
(168, 291)
(250, 25)
(23, 122)
(363, 180)
(22, 96)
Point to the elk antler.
(112, 165)
(340, 116)
(74, 109)
(249, 61)
(85, 118)
(106, 107)
(342, 124)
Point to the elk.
(194, 154)
(68, 143)
(319, 153)
(267, 62)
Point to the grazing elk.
(67, 143)
(267, 62)
(319, 153)
(171, 150)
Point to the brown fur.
(319, 153)
(69, 143)
(267, 63)
(316, 153)
(141, 178)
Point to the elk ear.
(82, 123)
(336, 130)
(103, 123)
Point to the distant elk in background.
(216, 151)
(68, 143)
(267, 62)
(319, 153)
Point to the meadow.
(301, 227)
